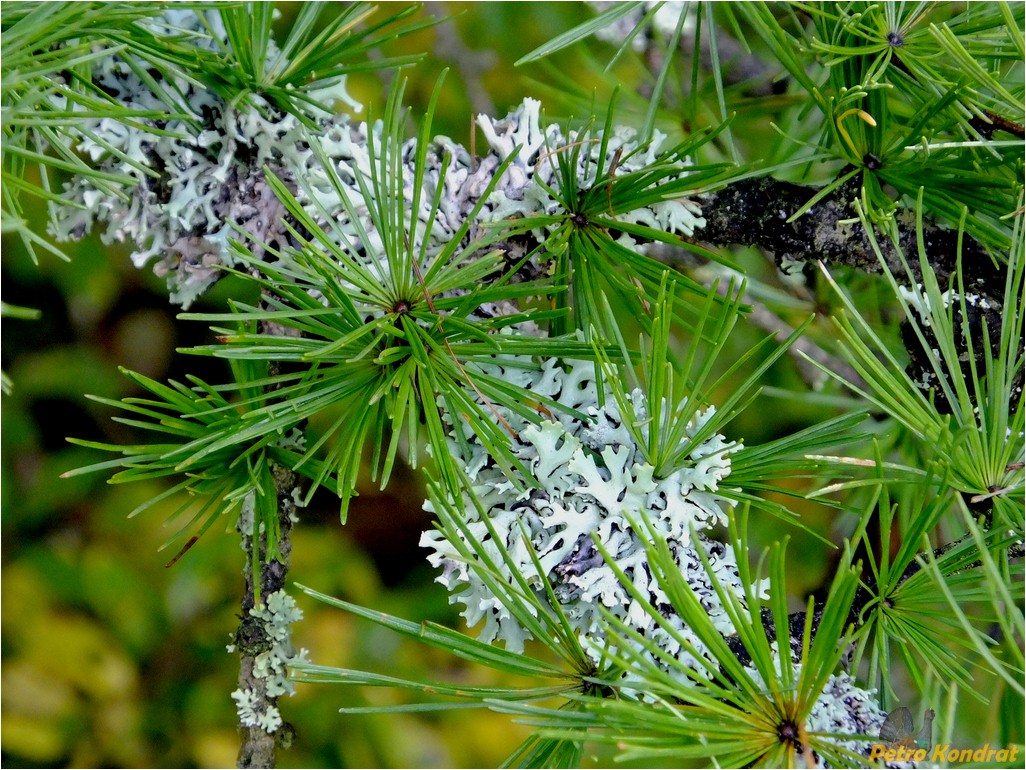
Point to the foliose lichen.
(270, 667)
(593, 480)
(200, 173)
(197, 171)
(844, 708)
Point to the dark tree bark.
(754, 212)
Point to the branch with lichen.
(263, 638)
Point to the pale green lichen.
(271, 666)
(200, 178)
(593, 479)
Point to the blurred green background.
(109, 659)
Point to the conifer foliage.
(555, 323)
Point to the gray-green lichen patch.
(200, 175)
(270, 666)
